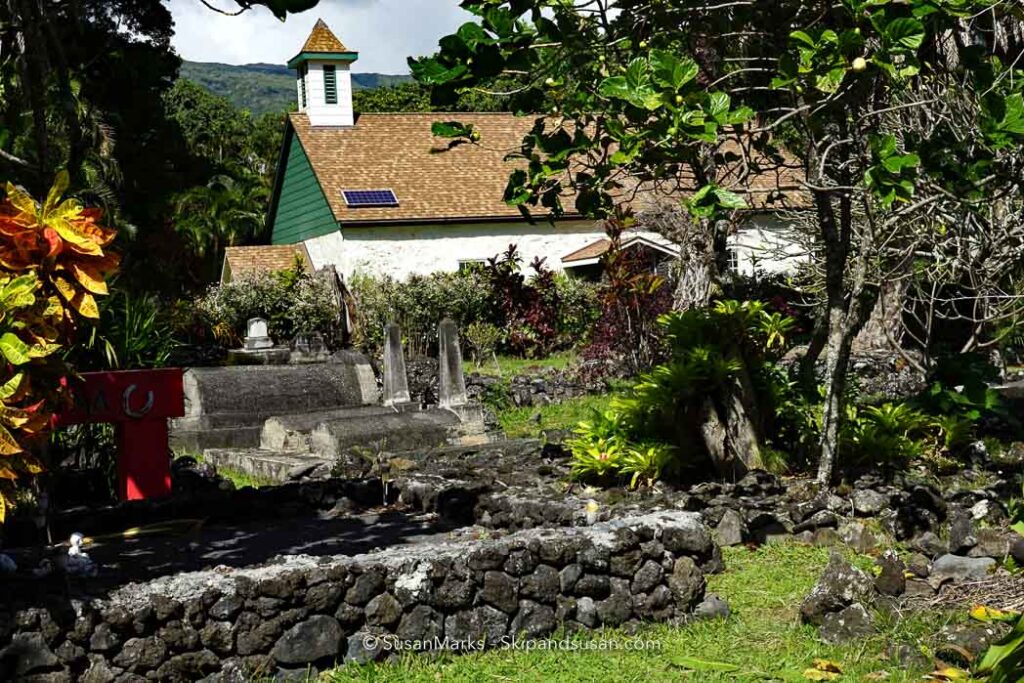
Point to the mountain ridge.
(266, 88)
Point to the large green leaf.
(451, 129)
(430, 71)
(905, 32)
(671, 71)
(1004, 660)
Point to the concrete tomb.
(268, 420)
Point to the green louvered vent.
(302, 82)
(331, 84)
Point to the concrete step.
(291, 432)
(275, 466)
(401, 431)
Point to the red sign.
(138, 402)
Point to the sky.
(384, 32)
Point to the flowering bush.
(53, 263)
(292, 301)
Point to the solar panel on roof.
(365, 198)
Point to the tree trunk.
(836, 365)
(729, 435)
(819, 337)
(698, 271)
(884, 327)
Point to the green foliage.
(472, 295)
(482, 338)
(647, 430)
(602, 452)
(532, 421)
(292, 301)
(1004, 660)
(710, 350)
(134, 331)
(1015, 508)
(891, 433)
(417, 305)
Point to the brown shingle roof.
(242, 261)
(398, 152)
(433, 181)
(590, 251)
(322, 39)
(601, 247)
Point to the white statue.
(78, 561)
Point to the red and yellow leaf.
(89, 277)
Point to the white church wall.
(766, 245)
(401, 251)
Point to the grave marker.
(257, 336)
(396, 382)
(138, 402)
(451, 380)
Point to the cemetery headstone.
(451, 380)
(396, 382)
(257, 337)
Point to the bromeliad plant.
(718, 367)
(53, 261)
(602, 452)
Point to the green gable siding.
(302, 211)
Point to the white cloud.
(384, 32)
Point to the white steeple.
(324, 78)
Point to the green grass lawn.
(763, 638)
(507, 366)
(520, 423)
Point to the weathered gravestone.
(257, 336)
(396, 382)
(451, 380)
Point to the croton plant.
(53, 261)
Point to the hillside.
(263, 88)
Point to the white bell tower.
(324, 78)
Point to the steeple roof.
(322, 44)
(323, 40)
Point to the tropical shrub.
(626, 337)
(483, 339)
(535, 315)
(417, 305)
(1004, 659)
(292, 301)
(720, 362)
(603, 451)
(53, 260)
(527, 308)
(134, 331)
